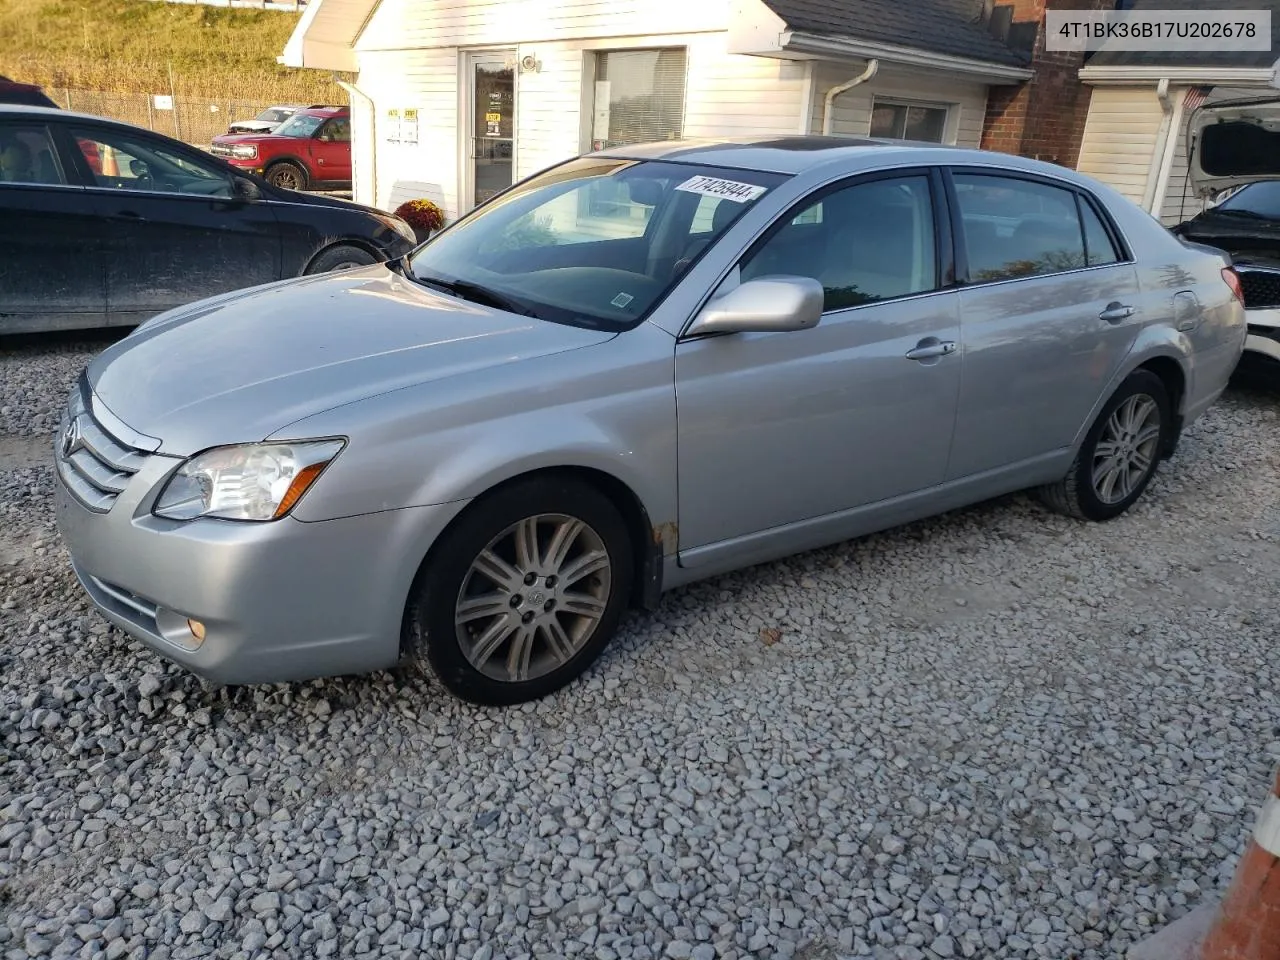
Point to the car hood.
(1234, 142)
(241, 367)
(233, 138)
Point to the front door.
(174, 230)
(493, 129)
(776, 428)
(330, 150)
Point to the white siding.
(427, 80)
(407, 24)
(729, 95)
(967, 102)
(1119, 137)
(725, 95)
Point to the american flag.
(1195, 96)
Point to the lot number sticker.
(728, 189)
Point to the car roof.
(323, 111)
(794, 155)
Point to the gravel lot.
(996, 734)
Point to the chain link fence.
(194, 120)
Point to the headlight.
(400, 227)
(252, 481)
(245, 151)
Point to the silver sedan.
(636, 369)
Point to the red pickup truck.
(310, 150)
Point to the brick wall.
(1044, 117)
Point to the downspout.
(1166, 165)
(828, 109)
(354, 91)
(1157, 152)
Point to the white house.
(1135, 137)
(453, 99)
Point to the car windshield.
(1257, 199)
(594, 242)
(300, 125)
(275, 114)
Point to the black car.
(103, 223)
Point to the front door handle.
(930, 348)
(1116, 312)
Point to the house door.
(493, 128)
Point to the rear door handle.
(1116, 312)
(930, 348)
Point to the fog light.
(197, 630)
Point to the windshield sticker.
(728, 189)
(621, 300)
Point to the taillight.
(1233, 281)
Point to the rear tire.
(287, 176)
(1119, 455)
(344, 256)
(523, 592)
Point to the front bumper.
(280, 601)
(1264, 332)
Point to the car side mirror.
(774, 304)
(243, 189)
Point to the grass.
(130, 46)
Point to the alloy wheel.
(1127, 449)
(533, 598)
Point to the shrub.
(421, 214)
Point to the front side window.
(121, 162)
(299, 125)
(593, 242)
(27, 155)
(337, 130)
(639, 96)
(866, 242)
(1019, 228)
(908, 121)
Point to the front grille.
(95, 466)
(1261, 288)
(218, 150)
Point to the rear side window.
(1099, 248)
(27, 155)
(1019, 228)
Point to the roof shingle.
(1195, 58)
(951, 27)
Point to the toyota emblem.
(71, 438)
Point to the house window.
(639, 96)
(908, 121)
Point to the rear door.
(174, 232)
(51, 267)
(330, 149)
(1050, 309)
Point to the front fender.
(608, 407)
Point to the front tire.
(344, 256)
(524, 592)
(1119, 455)
(287, 176)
